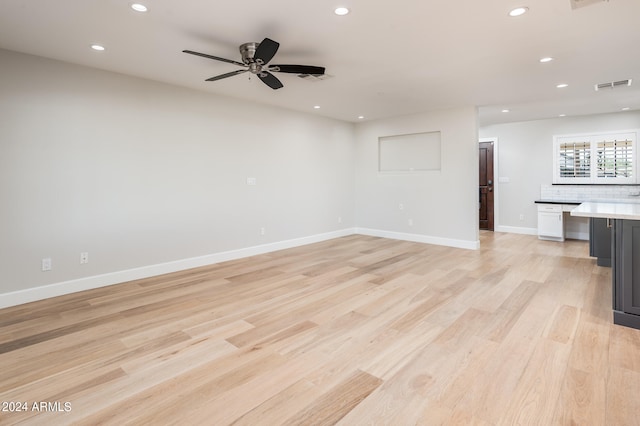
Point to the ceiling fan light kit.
(255, 59)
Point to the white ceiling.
(385, 58)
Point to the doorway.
(486, 186)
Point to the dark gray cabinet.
(626, 272)
(600, 240)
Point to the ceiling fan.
(255, 57)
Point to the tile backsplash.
(626, 193)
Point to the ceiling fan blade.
(297, 69)
(266, 51)
(204, 55)
(229, 74)
(270, 80)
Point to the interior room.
(293, 213)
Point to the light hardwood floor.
(356, 330)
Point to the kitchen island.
(624, 221)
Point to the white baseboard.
(577, 235)
(574, 235)
(66, 287)
(517, 230)
(419, 238)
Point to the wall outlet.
(410, 221)
(521, 216)
(46, 264)
(401, 206)
(339, 219)
(263, 230)
(84, 258)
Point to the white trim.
(517, 230)
(419, 238)
(66, 287)
(88, 283)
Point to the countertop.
(558, 202)
(608, 210)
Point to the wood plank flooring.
(356, 330)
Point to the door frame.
(496, 186)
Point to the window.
(615, 159)
(595, 159)
(575, 159)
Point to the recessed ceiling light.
(626, 109)
(562, 85)
(505, 110)
(316, 107)
(562, 115)
(139, 7)
(546, 59)
(519, 11)
(341, 11)
(97, 47)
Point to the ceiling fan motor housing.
(248, 50)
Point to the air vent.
(613, 84)
(576, 4)
(314, 78)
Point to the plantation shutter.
(575, 159)
(615, 159)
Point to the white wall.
(525, 156)
(140, 173)
(149, 178)
(443, 205)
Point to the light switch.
(251, 181)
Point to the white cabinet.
(550, 222)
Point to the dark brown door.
(486, 185)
